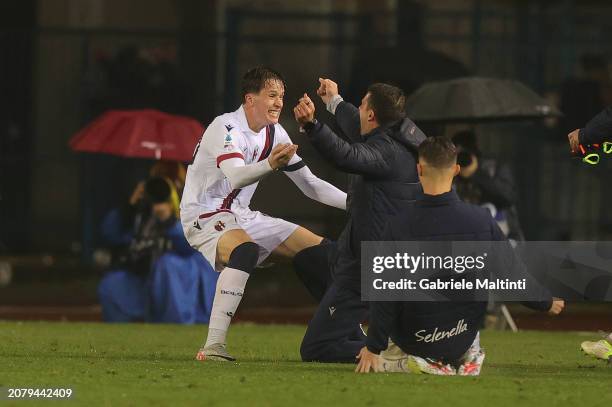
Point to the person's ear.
(371, 117)
(419, 170)
(249, 99)
(457, 170)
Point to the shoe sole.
(217, 358)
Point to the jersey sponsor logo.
(219, 226)
(229, 127)
(331, 311)
(438, 335)
(197, 225)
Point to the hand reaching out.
(327, 89)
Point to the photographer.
(155, 275)
(485, 182)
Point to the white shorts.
(266, 231)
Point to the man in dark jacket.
(379, 154)
(596, 131)
(437, 337)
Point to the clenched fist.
(304, 111)
(327, 90)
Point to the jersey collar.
(244, 124)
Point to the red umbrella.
(140, 133)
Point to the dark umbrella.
(477, 100)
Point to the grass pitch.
(138, 364)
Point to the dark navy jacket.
(382, 179)
(446, 218)
(598, 129)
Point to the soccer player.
(236, 151)
(436, 337)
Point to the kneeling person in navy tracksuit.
(442, 337)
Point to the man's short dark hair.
(388, 103)
(439, 152)
(255, 79)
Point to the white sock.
(230, 288)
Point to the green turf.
(140, 364)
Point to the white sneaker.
(601, 349)
(418, 365)
(472, 362)
(393, 359)
(393, 352)
(392, 366)
(216, 352)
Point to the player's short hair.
(255, 79)
(438, 152)
(388, 103)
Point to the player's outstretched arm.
(240, 174)
(359, 158)
(347, 115)
(315, 188)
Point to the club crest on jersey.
(255, 153)
(229, 127)
(219, 226)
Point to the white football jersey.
(228, 136)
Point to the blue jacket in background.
(156, 276)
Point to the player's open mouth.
(274, 113)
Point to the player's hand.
(557, 306)
(304, 111)
(281, 154)
(574, 140)
(367, 361)
(327, 89)
(137, 194)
